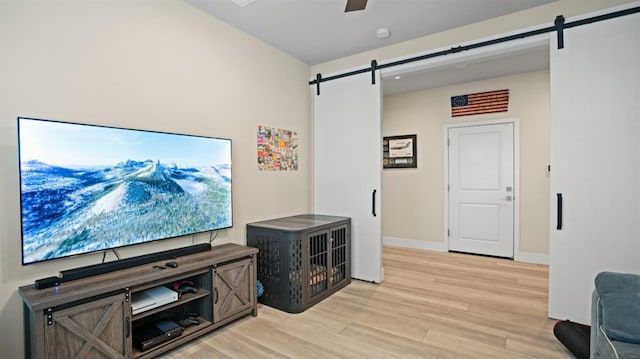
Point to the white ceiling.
(316, 31)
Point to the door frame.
(516, 177)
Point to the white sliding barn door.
(348, 165)
(595, 160)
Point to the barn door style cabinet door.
(96, 329)
(234, 286)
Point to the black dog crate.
(302, 260)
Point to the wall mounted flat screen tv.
(87, 188)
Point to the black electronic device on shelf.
(150, 335)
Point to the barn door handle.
(373, 203)
(559, 211)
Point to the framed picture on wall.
(399, 152)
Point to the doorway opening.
(429, 217)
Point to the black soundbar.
(47, 282)
(96, 269)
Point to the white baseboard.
(535, 258)
(526, 257)
(413, 243)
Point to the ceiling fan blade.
(355, 5)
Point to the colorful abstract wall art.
(277, 149)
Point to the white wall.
(414, 198)
(149, 64)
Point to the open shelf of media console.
(93, 314)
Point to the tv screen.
(87, 188)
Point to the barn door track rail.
(559, 26)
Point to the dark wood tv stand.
(92, 317)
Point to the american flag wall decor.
(477, 103)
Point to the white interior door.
(595, 161)
(481, 189)
(348, 165)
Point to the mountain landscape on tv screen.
(68, 211)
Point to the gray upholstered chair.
(615, 316)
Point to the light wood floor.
(430, 305)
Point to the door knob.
(508, 198)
